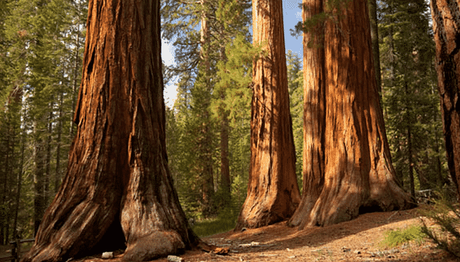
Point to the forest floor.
(357, 240)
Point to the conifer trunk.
(446, 27)
(57, 174)
(224, 134)
(224, 162)
(39, 184)
(118, 188)
(375, 42)
(273, 193)
(205, 141)
(350, 168)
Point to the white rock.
(174, 258)
(107, 255)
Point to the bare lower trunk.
(350, 168)
(446, 24)
(273, 193)
(118, 188)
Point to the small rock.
(344, 249)
(291, 257)
(107, 255)
(288, 249)
(357, 252)
(174, 258)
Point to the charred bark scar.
(91, 62)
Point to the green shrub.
(397, 237)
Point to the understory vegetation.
(398, 237)
(446, 217)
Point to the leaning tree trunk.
(350, 168)
(446, 27)
(118, 188)
(273, 193)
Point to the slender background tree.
(273, 193)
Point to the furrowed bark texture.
(117, 188)
(347, 165)
(273, 193)
(446, 27)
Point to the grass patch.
(400, 236)
(225, 221)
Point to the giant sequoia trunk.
(347, 165)
(446, 27)
(273, 193)
(117, 188)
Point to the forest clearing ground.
(356, 240)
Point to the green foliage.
(295, 85)
(213, 86)
(225, 221)
(235, 78)
(400, 236)
(332, 11)
(409, 95)
(446, 216)
(39, 79)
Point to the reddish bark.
(273, 193)
(118, 188)
(446, 27)
(347, 165)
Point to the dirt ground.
(356, 240)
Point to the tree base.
(158, 244)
